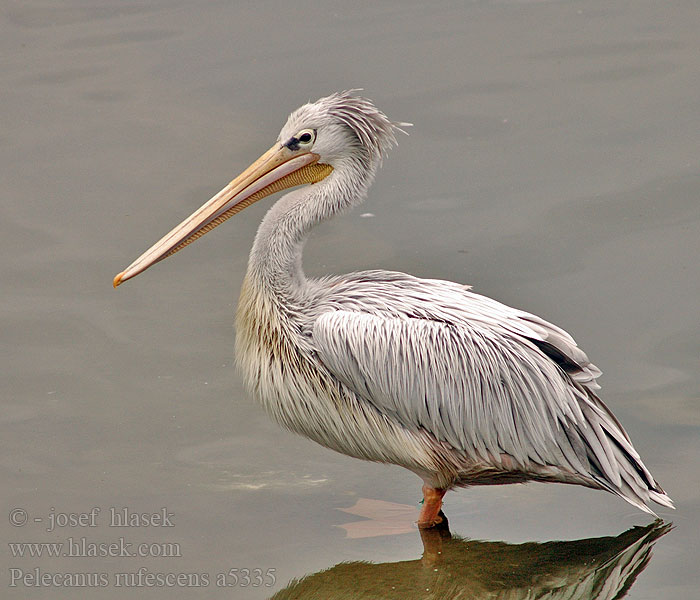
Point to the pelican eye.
(305, 137)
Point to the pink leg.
(432, 502)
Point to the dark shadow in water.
(452, 567)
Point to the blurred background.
(553, 165)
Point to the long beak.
(278, 169)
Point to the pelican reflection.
(457, 568)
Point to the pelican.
(383, 366)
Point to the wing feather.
(487, 379)
(502, 382)
(480, 391)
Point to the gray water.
(553, 164)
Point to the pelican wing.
(502, 382)
(477, 389)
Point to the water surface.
(553, 164)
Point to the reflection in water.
(452, 567)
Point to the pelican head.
(341, 132)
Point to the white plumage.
(383, 366)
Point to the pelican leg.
(433, 539)
(432, 503)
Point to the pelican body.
(426, 374)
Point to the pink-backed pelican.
(456, 387)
